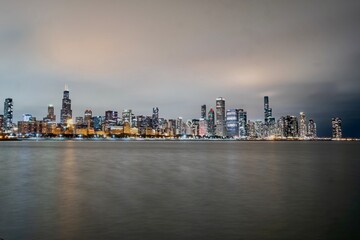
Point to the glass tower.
(66, 112)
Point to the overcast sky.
(178, 55)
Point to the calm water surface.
(179, 190)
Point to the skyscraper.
(155, 118)
(1, 123)
(302, 127)
(336, 127)
(242, 123)
(312, 129)
(203, 111)
(211, 123)
(87, 116)
(51, 117)
(232, 122)
(267, 110)
(111, 118)
(8, 114)
(220, 117)
(66, 112)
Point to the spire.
(66, 87)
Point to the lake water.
(179, 190)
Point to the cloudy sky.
(177, 55)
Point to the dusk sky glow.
(178, 55)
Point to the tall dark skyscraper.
(8, 114)
(267, 110)
(87, 116)
(155, 118)
(211, 123)
(220, 117)
(1, 123)
(242, 122)
(66, 112)
(203, 111)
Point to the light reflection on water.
(179, 190)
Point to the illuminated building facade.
(203, 111)
(211, 123)
(336, 127)
(66, 112)
(232, 122)
(242, 117)
(312, 129)
(111, 118)
(1, 123)
(155, 118)
(51, 117)
(267, 110)
(220, 117)
(302, 125)
(8, 114)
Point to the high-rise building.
(211, 123)
(8, 114)
(302, 125)
(291, 126)
(98, 120)
(126, 116)
(220, 117)
(312, 129)
(87, 116)
(242, 123)
(1, 123)
(155, 118)
(203, 127)
(66, 112)
(51, 117)
(203, 111)
(232, 122)
(336, 127)
(267, 110)
(111, 118)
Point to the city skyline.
(178, 55)
(225, 123)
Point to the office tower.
(179, 126)
(267, 110)
(203, 127)
(8, 114)
(87, 116)
(242, 117)
(259, 129)
(291, 126)
(126, 116)
(302, 127)
(51, 117)
(312, 129)
(1, 123)
(27, 117)
(211, 123)
(232, 122)
(220, 117)
(336, 127)
(111, 118)
(155, 118)
(195, 123)
(203, 111)
(98, 121)
(281, 127)
(66, 112)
